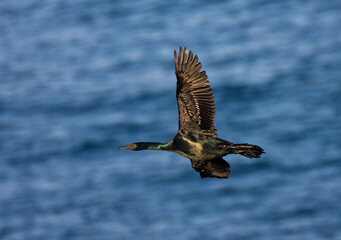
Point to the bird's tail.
(247, 150)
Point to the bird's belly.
(199, 153)
(187, 148)
(190, 151)
(195, 150)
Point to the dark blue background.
(78, 78)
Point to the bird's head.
(132, 146)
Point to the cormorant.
(197, 137)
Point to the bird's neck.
(154, 146)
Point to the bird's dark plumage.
(197, 136)
(195, 99)
(216, 167)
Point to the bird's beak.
(124, 147)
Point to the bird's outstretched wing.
(195, 99)
(216, 167)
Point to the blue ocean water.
(78, 78)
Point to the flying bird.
(197, 137)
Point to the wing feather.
(194, 95)
(216, 167)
